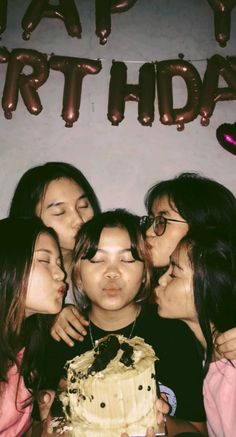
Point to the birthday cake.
(111, 389)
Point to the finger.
(162, 406)
(45, 403)
(69, 330)
(63, 335)
(54, 335)
(150, 432)
(75, 323)
(79, 316)
(227, 347)
(229, 355)
(226, 336)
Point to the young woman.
(31, 282)
(200, 289)
(62, 197)
(112, 275)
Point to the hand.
(150, 433)
(162, 409)
(69, 323)
(226, 344)
(45, 400)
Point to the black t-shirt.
(179, 368)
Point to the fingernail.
(84, 332)
(71, 344)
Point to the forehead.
(63, 188)
(45, 241)
(114, 239)
(162, 204)
(181, 258)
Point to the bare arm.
(69, 323)
(226, 344)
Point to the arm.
(69, 323)
(226, 344)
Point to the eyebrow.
(175, 264)
(44, 250)
(83, 196)
(119, 251)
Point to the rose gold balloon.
(104, 9)
(222, 18)
(74, 70)
(65, 10)
(27, 84)
(166, 70)
(211, 93)
(121, 92)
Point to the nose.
(112, 272)
(164, 279)
(150, 232)
(58, 273)
(76, 219)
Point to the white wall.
(120, 162)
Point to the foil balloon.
(217, 66)
(74, 70)
(222, 19)
(121, 92)
(27, 84)
(4, 55)
(166, 70)
(226, 135)
(116, 100)
(104, 9)
(3, 15)
(66, 10)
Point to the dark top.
(179, 369)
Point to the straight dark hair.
(88, 238)
(212, 254)
(18, 237)
(34, 182)
(199, 200)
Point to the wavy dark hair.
(199, 200)
(212, 254)
(88, 238)
(18, 237)
(34, 182)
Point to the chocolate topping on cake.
(106, 350)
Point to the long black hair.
(34, 182)
(18, 237)
(199, 200)
(212, 254)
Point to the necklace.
(95, 342)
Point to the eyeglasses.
(158, 223)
